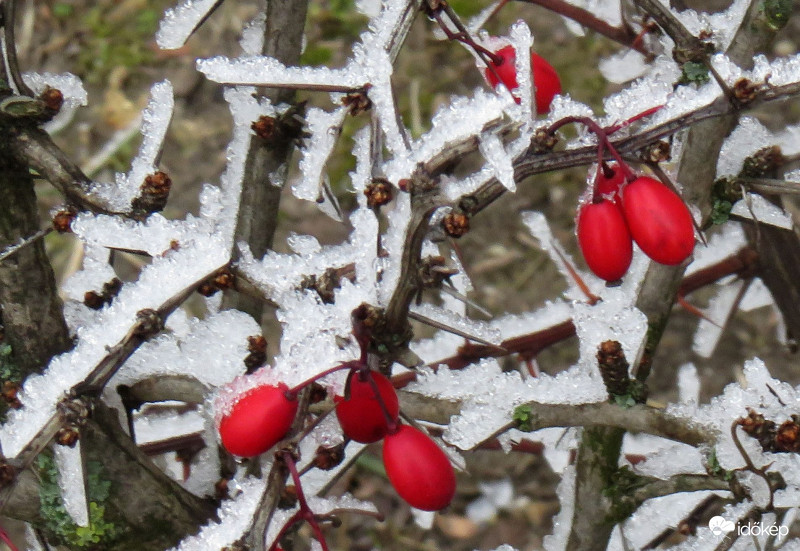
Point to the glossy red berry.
(258, 420)
(418, 469)
(545, 77)
(361, 415)
(658, 220)
(608, 182)
(604, 239)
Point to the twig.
(585, 18)
(9, 18)
(14, 249)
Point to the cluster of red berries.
(626, 208)
(502, 69)
(369, 411)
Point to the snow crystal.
(252, 41)
(268, 71)
(754, 206)
(721, 26)
(495, 495)
(623, 66)
(688, 384)
(235, 516)
(180, 22)
(68, 84)
(492, 149)
(72, 481)
(562, 522)
(522, 41)
(747, 138)
(324, 128)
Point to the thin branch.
(9, 17)
(677, 484)
(14, 249)
(585, 18)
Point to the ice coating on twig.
(68, 84)
(746, 139)
(562, 522)
(180, 22)
(324, 128)
(455, 320)
(720, 309)
(268, 71)
(501, 163)
(72, 482)
(720, 26)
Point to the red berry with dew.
(360, 414)
(258, 420)
(545, 77)
(418, 469)
(604, 239)
(658, 220)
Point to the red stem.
(7, 540)
(292, 393)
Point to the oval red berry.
(604, 239)
(545, 77)
(609, 181)
(418, 469)
(361, 415)
(658, 220)
(257, 421)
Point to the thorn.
(591, 297)
(454, 331)
(692, 309)
(455, 294)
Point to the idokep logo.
(720, 526)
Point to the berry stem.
(292, 393)
(305, 511)
(463, 35)
(391, 423)
(602, 137)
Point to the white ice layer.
(756, 207)
(479, 329)
(562, 523)
(324, 128)
(262, 70)
(68, 84)
(72, 482)
(179, 22)
(747, 138)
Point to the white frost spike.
(252, 41)
(720, 310)
(268, 71)
(623, 66)
(747, 138)
(155, 120)
(557, 541)
(325, 128)
(494, 152)
(179, 23)
(764, 211)
(72, 481)
(688, 384)
(522, 41)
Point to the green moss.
(777, 12)
(694, 72)
(524, 418)
(620, 491)
(100, 533)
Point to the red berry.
(604, 239)
(658, 220)
(609, 181)
(258, 420)
(545, 78)
(361, 416)
(418, 469)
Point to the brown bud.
(257, 346)
(404, 184)
(327, 458)
(221, 489)
(288, 497)
(207, 290)
(264, 127)
(53, 99)
(745, 90)
(9, 392)
(787, 438)
(433, 271)
(759, 428)
(153, 193)
(63, 220)
(93, 300)
(658, 152)
(358, 102)
(148, 323)
(68, 436)
(613, 367)
(763, 162)
(455, 224)
(224, 279)
(543, 141)
(317, 393)
(378, 193)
